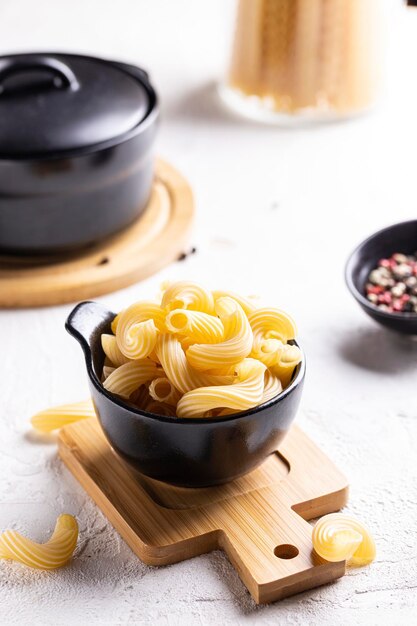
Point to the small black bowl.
(400, 237)
(186, 452)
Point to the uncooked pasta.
(272, 386)
(137, 329)
(339, 537)
(196, 326)
(197, 353)
(50, 555)
(59, 416)
(237, 343)
(162, 390)
(245, 393)
(187, 295)
(124, 380)
(112, 351)
(295, 56)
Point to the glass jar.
(306, 59)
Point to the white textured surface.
(278, 212)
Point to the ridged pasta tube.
(290, 357)
(112, 350)
(272, 387)
(50, 555)
(174, 363)
(242, 395)
(272, 323)
(178, 370)
(137, 329)
(198, 327)
(128, 377)
(266, 350)
(162, 390)
(56, 417)
(188, 295)
(339, 537)
(237, 343)
(248, 304)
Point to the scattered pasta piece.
(54, 553)
(199, 353)
(59, 416)
(339, 537)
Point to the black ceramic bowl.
(186, 452)
(77, 140)
(400, 237)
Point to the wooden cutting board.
(156, 239)
(258, 520)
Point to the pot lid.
(56, 103)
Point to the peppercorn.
(411, 281)
(402, 271)
(400, 258)
(398, 290)
(392, 285)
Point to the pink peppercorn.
(376, 289)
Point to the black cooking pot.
(187, 452)
(76, 149)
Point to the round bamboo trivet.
(154, 241)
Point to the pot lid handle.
(63, 76)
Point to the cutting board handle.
(271, 549)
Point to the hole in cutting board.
(286, 551)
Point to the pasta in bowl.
(195, 389)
